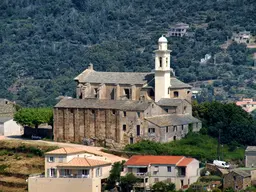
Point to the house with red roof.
(247, 104)
(180, 170)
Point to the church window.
(96, 92)
(185, 109)
(131, 140)
(174, 138)
(160, 61)
(176, 94)
(138, 113)
(124, 113)
(151, 130)
(188, 92)
(138, 130)
(124, 127)
(113, 112)
(166, 62)
(127, 93)
(93, 111)
(80, 96)
(112, 94)
(174, 128)
(166, 129)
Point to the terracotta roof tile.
(66, 150)
(84, 162)
(184, 162)
(150, 159)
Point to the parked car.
(221, 164)
(34, 137)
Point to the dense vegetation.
(235, 126)
(45, 44)
(195, 145)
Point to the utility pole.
(218, 150)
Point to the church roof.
(127, 105)
(172, 119)
(176, 83)
(170, 102)
(116, 77)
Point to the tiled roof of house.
(243, 173)
(84, 162)
(176, 84)
(66, 151)
(4, 119)
(150, 159)
(172, 119)
(127, 105)
(184, 162)
(169, 102)
(115, 77)
(251, 148)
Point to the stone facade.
(115, 108)
(237, 180)
(250, 156)
(7, 108)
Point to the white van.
(221, 164)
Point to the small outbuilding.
(9, 127)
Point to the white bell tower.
(162, 70)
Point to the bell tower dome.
(162, 70)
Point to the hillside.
(45, 44)
(17, 161)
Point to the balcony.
(74, 176)
(142, 174)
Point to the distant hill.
(44, 44)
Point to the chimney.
(90, 66)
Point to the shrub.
(3, 167)
(203, 172)
(30, 155)
(3, 152)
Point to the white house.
(9, 127)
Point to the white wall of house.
(10, 128)
(36, 184)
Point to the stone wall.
(108, 91)
(7, 108)
(235, 181)
(250, 159)
(103, 126)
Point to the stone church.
(119, 108)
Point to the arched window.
(160, 61)
(175, 94)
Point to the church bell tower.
(162, 70)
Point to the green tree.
(33, 117)
(163, 187)
(114, 176)
(127, 182)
